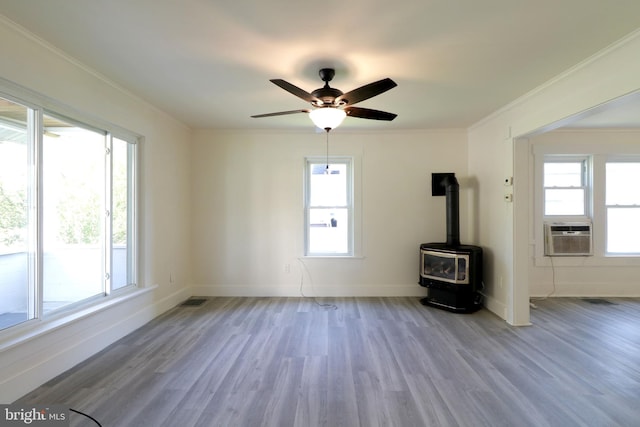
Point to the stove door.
(447, 267)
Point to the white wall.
(495, 151)
(165, 202)
(248, 210)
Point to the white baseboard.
(496, 307)
(587, 295)
(308, 291)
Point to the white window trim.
(36, 328)
(615, 159)
(587, 186)
(350, 162)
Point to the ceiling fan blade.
(367, 113)
(300, 93)
(366, 91)
(280, 113)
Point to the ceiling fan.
(332, 105)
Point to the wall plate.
(437, 183)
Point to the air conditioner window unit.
(567, 239)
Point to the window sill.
(32, 329)
(587, 261)
(332, 257)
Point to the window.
(72, 212)
(329, 207)
(67, 212)
(623, 207)
(565, 189)
(122, 231)
(17, 283)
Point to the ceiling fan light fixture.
(327, 118)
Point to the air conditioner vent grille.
(557, 228)
(568, 239)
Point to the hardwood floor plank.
(342, 409)
(370, 362)
(430, 405)
(311, 409)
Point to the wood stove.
(452, 272)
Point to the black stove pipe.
(452, 194)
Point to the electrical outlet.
(287, 268)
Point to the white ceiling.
(208, 62)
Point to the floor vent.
(193, 302)
(598, 301)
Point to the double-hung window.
(329, 207)
(565, 186)
(623, 207)
(67, 211)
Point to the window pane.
(621, 185)
(564, 201)
(120, 213)
(328, 187)
(73, 213)
(563, 174)
(623, 230)
(328, 208)
(329, 231)
(16, 282)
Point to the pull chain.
(327, 169)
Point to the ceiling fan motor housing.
(326, 95)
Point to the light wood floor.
(369, 362)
